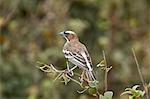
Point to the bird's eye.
(66, 33)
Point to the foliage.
(107, 95)
(133, 92)
(67, 75)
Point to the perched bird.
(77, 53)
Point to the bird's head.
(69, 35)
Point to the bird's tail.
(91, 75)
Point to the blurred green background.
(28, 33)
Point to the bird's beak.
(61, 33)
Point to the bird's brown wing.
(74, 53)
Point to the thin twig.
(82, 91)
(56, 69)
(75, 81)
(57, 77)
(67, 65)
(73, 68)
(140, 73)
(104, 56)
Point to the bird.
(77, 53)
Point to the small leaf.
(108, 95)
(128, 89)
(135, 87)
(92, 90)
(93, 84)
(133, 92)
(141, 93)
(131, 97)
(101, 96)
(126, 92)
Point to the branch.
(104, 56)
(140, 73)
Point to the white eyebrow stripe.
(71, 32)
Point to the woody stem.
(106, 72)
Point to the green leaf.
(92, 90)
(126, 92)
(142, 93)
(128, 89)
(93, 87)
(135, 87)
(108, 95)
(133, 92)
(131, 97)
(93, 84)
(101, 96)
